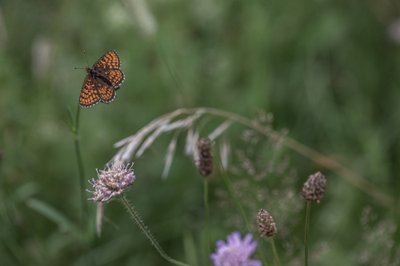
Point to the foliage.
(328, 71)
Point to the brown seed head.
(314, 187)
(266, 224)
(205, 163)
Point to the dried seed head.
(205, 163)
(266, 224)
(314, 187)
(112, 182)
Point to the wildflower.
(112, 182)
(205, 163)
(314, 187)
(266, 224)
(235, 252)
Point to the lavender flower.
(235, 252)
(112, 182)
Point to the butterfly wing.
(101, 83)
(106, 92)
(89, 94)
(109, 60)
(115, 76)
(108, 65)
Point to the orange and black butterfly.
(102, 80)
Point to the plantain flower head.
(314, 187)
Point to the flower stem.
(241, 210)
(207, 215)
(147, 233)
(276, 257)
(81, 170)
(306, 232)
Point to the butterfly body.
(97, 75)
(102, 80)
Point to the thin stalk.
(89, 260)
(236, 200)
(242, 213)
(135, 216)
(306, 232)
(275, 252)
(81, 170)
(206, 214)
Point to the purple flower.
(112, 182)
(235, 252)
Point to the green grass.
(326, 70)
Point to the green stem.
(306, 232)
(147, 232)
(242, 213)
(207, 215)
(81, 170)
(276, 257)
(236, 200)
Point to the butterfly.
(102, 80)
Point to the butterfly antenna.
(84, 54)
(87, 63)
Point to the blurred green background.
(327, 70)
